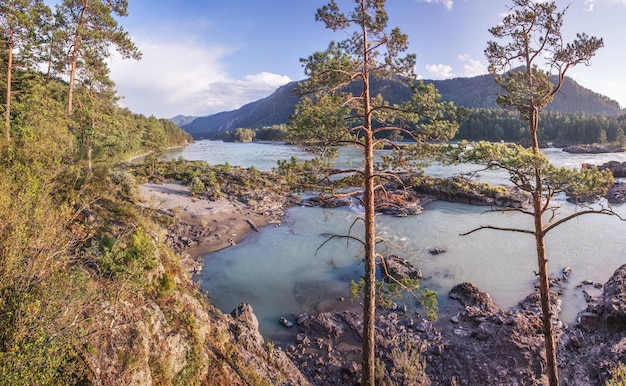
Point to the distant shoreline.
(131, 159)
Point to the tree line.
(508, 125)
(276, 133)
(495, 125)
(55, 75)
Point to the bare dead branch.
(604, 211)
(498, 229)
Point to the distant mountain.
(476, 92)
(181, 120)
(481, 92)
(274, 109)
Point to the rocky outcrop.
(617, 168)
(593, 149)
(470, 296)
(480, 344)
(597, 342)
(328, 350)
(460, 189)
(399, 268)
(327, 202)
(617, 193)
(264, 361)
(185, 340)
(409, 195)
(399, 202)
(490, 346)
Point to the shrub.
(119, 259)
(124, 180)
(196, 186)
(618, 376)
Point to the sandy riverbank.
(219, 224)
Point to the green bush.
(124, 180)
(196, 187)
(618, 376)
(166, 284)
(134, 259)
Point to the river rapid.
(286, 270)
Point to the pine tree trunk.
(544, 292)
(7, 108)
(74, 60)
(369, 306)
(542, 261)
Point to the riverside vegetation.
(89, 292)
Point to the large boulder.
(399, 268)
(470, 296)
(617, 193)
(245, 314)
(617, 168)
(608, 312)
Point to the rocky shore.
(201, 226)
(479, 343)
(593, 149)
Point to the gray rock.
(302, 318)
(245, 314)
(285, 322)
(399, 268)
(468, 295)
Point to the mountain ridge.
(479, 92)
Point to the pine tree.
(531, 31)
(88, 28)
(21, 21)
(330, 115)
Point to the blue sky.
(201, 57)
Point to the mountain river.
(282, 271)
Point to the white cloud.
(230, 94)
(439, 71)
(446, 3)
(268, 79)
(471, 67)
(590, 4)
(185, 78)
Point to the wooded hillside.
(477, 94)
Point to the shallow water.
(283, 270)
(262, 155)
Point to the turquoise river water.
(282, 271)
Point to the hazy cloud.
(186, 78)
(230, 94)
(439, 71)
(590, 4)
(446, 3)
(472, 67)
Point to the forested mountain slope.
(478, 92)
